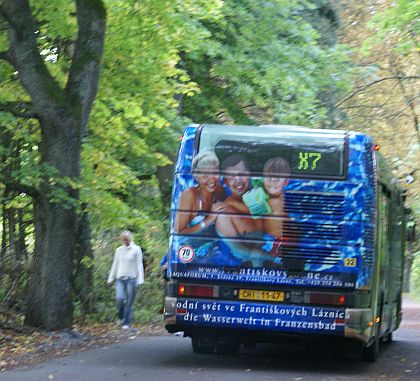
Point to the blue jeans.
(125, 290)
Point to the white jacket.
(128, 262)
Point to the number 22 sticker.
(350, 262)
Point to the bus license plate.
(272, 296)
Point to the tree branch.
(47, 96)
(363, 88)
(5, 56)
(19, 109)
(371, 64)
(363, 107)
(83, 79)
(19, 187)
(409, 102)
(4, 15)
(372, 106)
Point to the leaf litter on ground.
(21, 346)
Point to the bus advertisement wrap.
(260, 316)
(253, 213)
(266, 276)
(284, 229)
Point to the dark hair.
(233, 160)
(277, 165)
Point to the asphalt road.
(170, 358)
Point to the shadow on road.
(310, 359)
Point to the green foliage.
(57, 27)
(265, 65)
(150, 294)
(400, 21)
(415, 276)
(104, 299)
(136, 111)
(165, 62)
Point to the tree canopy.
(164, 64)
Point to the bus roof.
(278, 128)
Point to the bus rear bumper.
(358, 324)
(169, 313)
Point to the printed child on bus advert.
(274, 186)
(254, 215)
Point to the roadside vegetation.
(156, 66)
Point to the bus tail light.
(327, 299)
(196, 291)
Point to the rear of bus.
(316, 277)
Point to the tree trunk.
(84, 266)
(50, 288)
(12, 235)
(22, 236)
(164, 176)
(408, 263)
(6, 143)
(3, 249)
(63, 114)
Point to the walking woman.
(127, 271)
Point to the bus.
(283, 231)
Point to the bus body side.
(339, 273)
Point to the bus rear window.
(310, 153)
